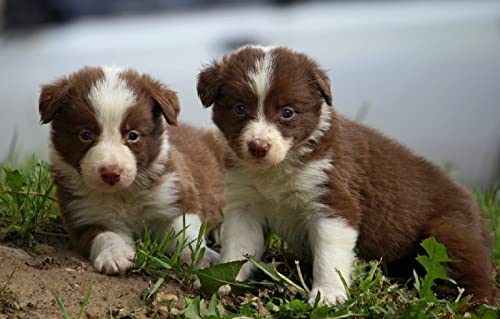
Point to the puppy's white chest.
(285, 199)
(294, 188)
(130, 212)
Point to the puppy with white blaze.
(326, 184)
(121, 163)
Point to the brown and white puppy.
(119, 167)
(325, 183)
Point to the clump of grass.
(153, 257)
(26, 200)
(489, 200)
(63, 309)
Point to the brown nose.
(110, 174)
(258, 148)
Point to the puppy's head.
(107, 123)
(266, 101)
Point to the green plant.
(26, 199)
(85, 301)
(372, 294)
(153, 257)
(489, 200)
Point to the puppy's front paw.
(210, 258)
(330, 295)
(115, 259)
(224, 290)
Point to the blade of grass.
(85, 300)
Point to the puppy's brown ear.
(164, 98)
(52, 97)
(209, 83)
(322, 81)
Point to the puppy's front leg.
(332, 242)
(242, 234)
(112, 252)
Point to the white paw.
(330, 295)
(245, 271)
(115, 259)
(224, 290)
(210, 258)
(196, 283)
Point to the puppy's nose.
(258, 148)
(110, 174)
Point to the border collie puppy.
(325, 183)
(120, 163)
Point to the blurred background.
(424, 72)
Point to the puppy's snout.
(258, 148)
(110, 174)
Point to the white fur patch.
(112, 253)
(286, 200)
(263, 130)
(332, 242)
(325, 121)
(128, 211)
(261, 78)
(111, 98)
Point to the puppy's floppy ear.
(209, 83)
(52, 97)
(322, 81)
(164, 98)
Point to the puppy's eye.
(133, 136)
(86, 136)
(240, 109)
(287, 113)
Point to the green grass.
(152, 258)
(26, 200)
(63, 309)
(280, 285)
(489, 200)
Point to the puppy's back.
(200, 155)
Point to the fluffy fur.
(326, 184)
(118, 165)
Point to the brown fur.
(393, 197)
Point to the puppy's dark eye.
(240, 109)
(287, 113)
(86, 136)
(133, 136)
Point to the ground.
(29, 278)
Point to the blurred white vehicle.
(426, 73)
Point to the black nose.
(258, 148)
(110, 175)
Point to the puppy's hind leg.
(472, 266)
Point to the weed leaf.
(193, 310)
(213, 277)
(436, 254)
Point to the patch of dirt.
(29, 277)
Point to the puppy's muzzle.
(258, 148)
(110, 174)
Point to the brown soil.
(28, 278)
